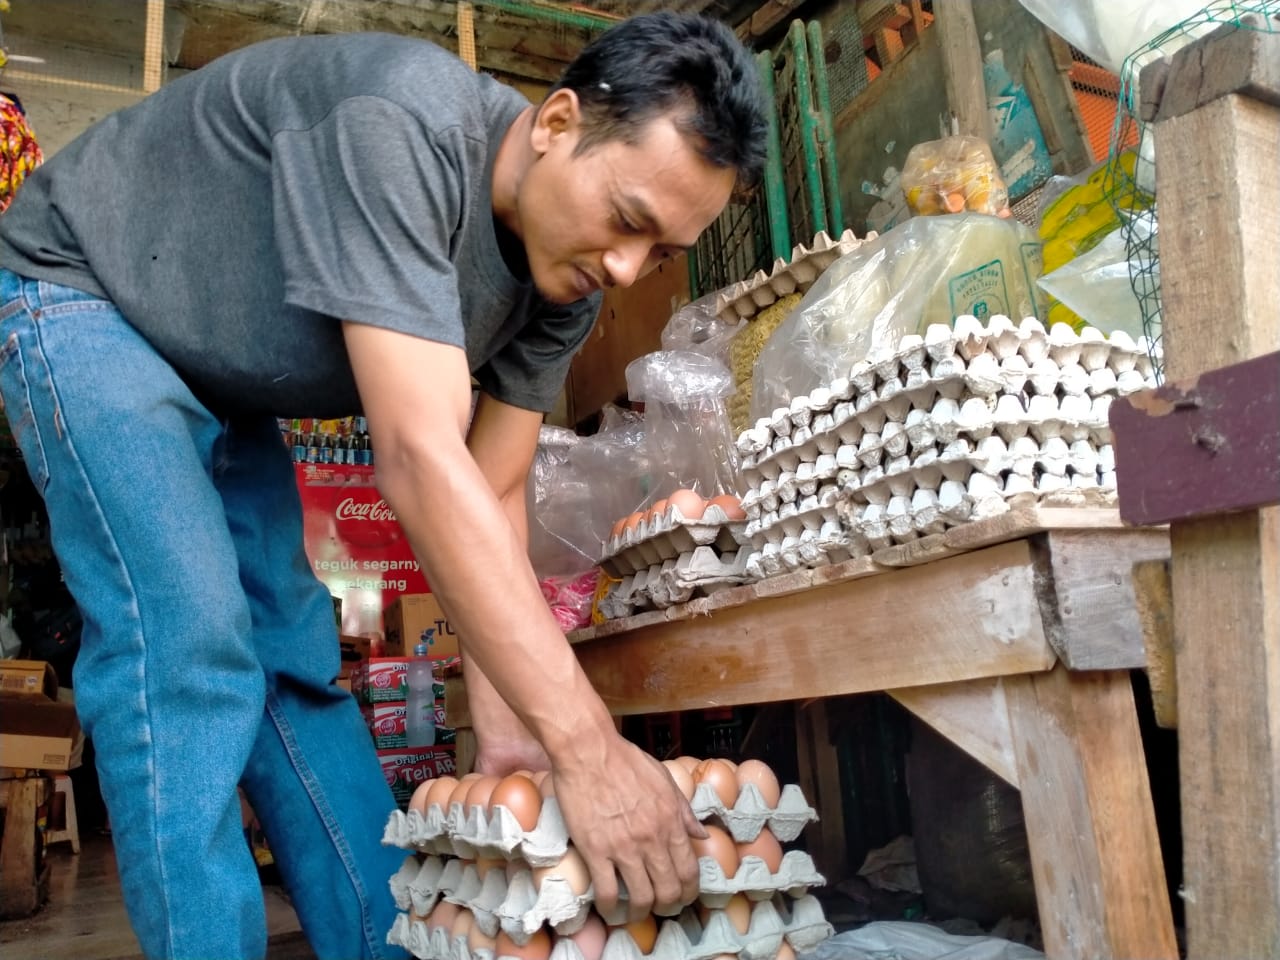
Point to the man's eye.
(626, 225)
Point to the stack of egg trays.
(667, 559)
(798, 922)
(515, 906)
(939, 431)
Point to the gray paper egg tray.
(519, 906)
(669, 537)
(699, 572)
(500, 835)
(940, 431)
(800, 923)
(748, 297)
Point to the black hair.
(688, 66)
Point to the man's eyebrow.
(639, 209)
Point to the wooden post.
(24, 882)
(820, 783)
(962, 63)
(1219, 197)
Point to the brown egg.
(761, 775)
(461, 925)
(633, 521)
(643, 931)
(689, 503)
(617, 528)
(538, 947)
(737, 911)
(766, 847)
(572, 868)
(459, 793)
(682, 777)
(689, 763)
(477, 939)
(719, 846)
(479, 793)
(419, 799)
(654, 513)
(730, 504)
(785, 952)
(441, 789)
(443, 915)
(590, 939)
(722, 779)
(521, 798)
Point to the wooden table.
(1012, 636)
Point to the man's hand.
(628, 819)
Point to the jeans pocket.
(15, 399)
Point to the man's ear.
(558, 116)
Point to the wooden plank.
(819, 775)
(962, 67)
(22, 885)
(1200, 446)
(1097, 624)
(973, 715)
(849, 637)
(1153, 595)
(1219, 217)
(1227, 61)
(153, 47)
(767, 16)
(1095, 854)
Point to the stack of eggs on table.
(493, 874)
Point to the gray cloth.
(240, 213)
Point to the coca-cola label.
(363, 519)
(352, 509)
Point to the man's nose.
(623, 265)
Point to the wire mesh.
(1131, 188)
(846, 63)
(734, 247)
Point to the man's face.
(611, 214)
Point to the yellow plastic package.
(953, 175)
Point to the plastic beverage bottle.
(420, 704)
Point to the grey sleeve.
(530, 371)
(365, 206)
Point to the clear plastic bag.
(578, 486)
(927, 270)
(953, 175)
(687, 431)
(695, 327)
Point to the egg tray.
(745, 299)
(699, 572)
(500, 834)
(668, 537)
(519, 908)
(799, 923)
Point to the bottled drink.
(420, 705)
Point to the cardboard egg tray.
(746, 298)
(519, 906)
(942, 430)
(668, 537)
(699, 571)
(500, 835)
(800, 923)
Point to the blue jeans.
(209, 648)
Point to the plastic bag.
(1107, 31)
(927, 270)
(687, 431)
(696, 328)
(953, 175)
(1096, 288)
(900, 940)
(578, 486)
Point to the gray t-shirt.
(238, 214)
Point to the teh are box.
(381, 679)
(405, 768)
(386, 723)
(412, 613)
(36, 731)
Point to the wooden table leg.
(22, 888)
(820, 783)
(1095, 854)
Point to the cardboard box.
(406, 768)
(409, 616)
(36, 731)
(381, 679)
(386, 723)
